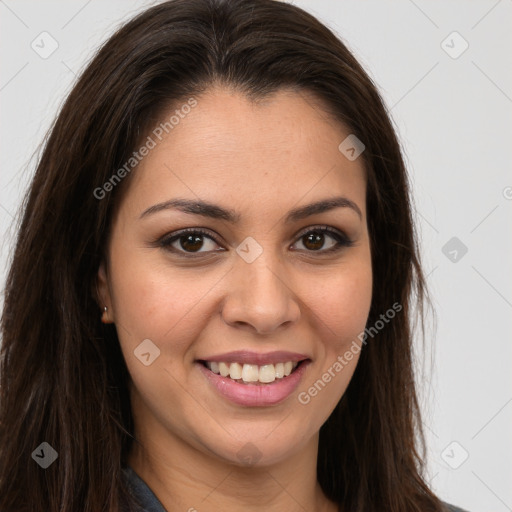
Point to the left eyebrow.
(214, 211)
(321, 207)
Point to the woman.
(208, 305)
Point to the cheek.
(342, 304)
(152, 300)
(341, 309)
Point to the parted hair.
(63, 379)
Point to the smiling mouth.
(253, 373)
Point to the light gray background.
(454, 119)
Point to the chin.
(262, 450)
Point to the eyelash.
(166, 241)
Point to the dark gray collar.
(141, 492)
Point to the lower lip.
(256, 395)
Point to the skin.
(260, 160)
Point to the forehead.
(281, 148)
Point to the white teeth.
(252, 372)
(223, 369)
(267, 373)
(235, 371)
(279, 369)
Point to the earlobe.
(103, 294)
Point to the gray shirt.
(150, 503)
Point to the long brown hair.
(63, 379)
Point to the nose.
(259, 296)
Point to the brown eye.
(314, 241)
(191, 242)
(324, 240)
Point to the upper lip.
(258, 358)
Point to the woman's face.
(253, 286)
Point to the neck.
(187, 478)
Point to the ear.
(103, 296)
